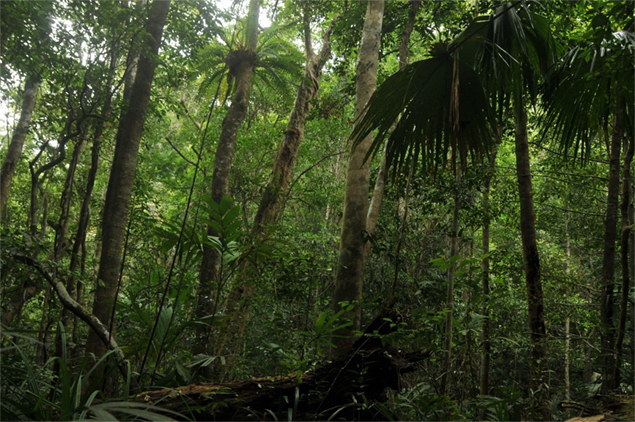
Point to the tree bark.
(446, 378)
(535, 301)
(352, 256)
(271, 204)
(14, 151)
(84, 214)
(61, 231)
(380, 182)
(486, 345)
(627, 224)
(269, 208)
(122, 177)
(607, 335)
(567, 324)
(242, 63)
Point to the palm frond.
(512, 49)
(585, 90)
(419, 98)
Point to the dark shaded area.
(347, 386)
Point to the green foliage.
(327, 324)
(498, 53)
(31, 392)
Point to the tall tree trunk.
(352, 256)
(486, 345)
(380, 182)
(624, 242)
(241, 67)
(607, 335)
(535, 302)
(14, 152)
(567, 324)
(278, 185)
(446, 378)
(122, 176)
(61, 243)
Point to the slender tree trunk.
(446, 378)
(12, 308)
(607, 333)
(380, 182)
(241, 67)
(84, 214)
(535, 302)
(61, 231)
(624, 242)
(14, 152)
(122, 177)
(61, 243)
(567, 324)
(352, 256)
(486, 345)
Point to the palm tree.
(439, 105)
(512, 49)
(590, 91)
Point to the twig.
(167, 138)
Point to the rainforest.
(354, 210)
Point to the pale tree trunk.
(607, 331)
(241, 67)
(352, 256)
(535, 301)
(16, 145)
(624, 242)
(122, 176)
(486, 344)
(380, 182)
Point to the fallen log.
(344, 388)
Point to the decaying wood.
(360, 375)
(604, 408)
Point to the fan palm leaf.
(439, 104)
(512, 49)
(586, 89)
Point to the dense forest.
(317, 210)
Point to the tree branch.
(187, 113)
(179, 152)
(69, 303)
